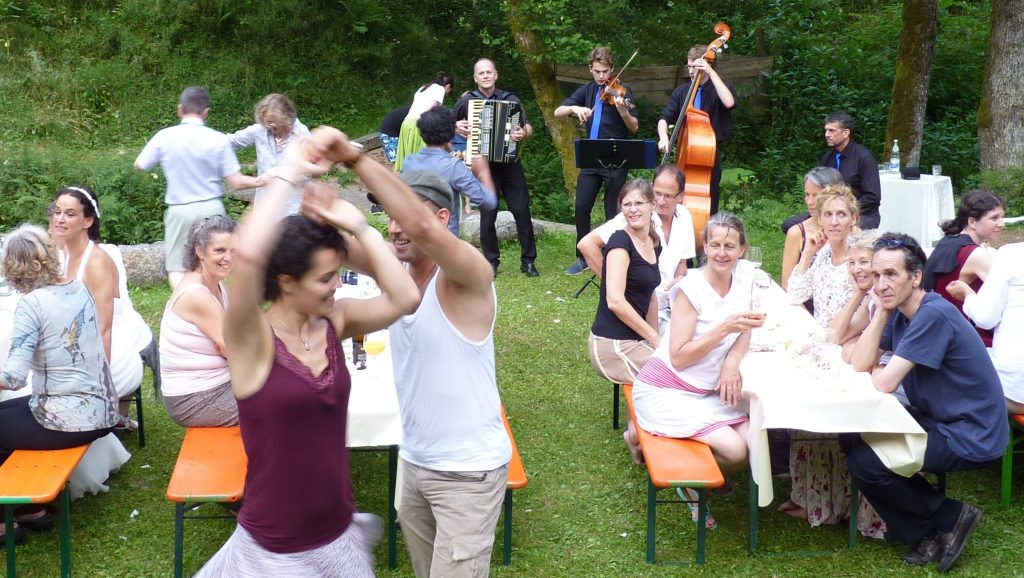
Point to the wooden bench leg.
(64, 520)
(652, 504)
(179, 537)
(506, 551)
(392, 513)
(9, 521)
(615, 406)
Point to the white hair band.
(92, 201)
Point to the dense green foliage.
(86, 82)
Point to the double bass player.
(713, 97)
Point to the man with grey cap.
(454, 449)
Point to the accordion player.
(491, 124)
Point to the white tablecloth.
(786, 391)
(373, 417)
(916, 207)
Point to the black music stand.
(613, 153)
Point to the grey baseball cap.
(427, 185)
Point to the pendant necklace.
(305, 341)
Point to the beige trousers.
(448, 520)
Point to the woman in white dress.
(75, 226)
(425, 98)
(691, 386)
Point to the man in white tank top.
(455, 450)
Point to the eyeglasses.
(669, 197)
(638, 205)
(889, 244)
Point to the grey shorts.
(214, 407)
(177, 221)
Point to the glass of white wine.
(755, 256)
(374, 343)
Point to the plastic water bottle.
(894, 158)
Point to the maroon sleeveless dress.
(298, 494)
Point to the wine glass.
(755, 256)
(374, 344)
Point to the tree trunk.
(913, 74)
(1002, 98)
(541, 71)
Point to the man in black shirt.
(509, 179)
(714, 98)
(858, 167)
(612, 121)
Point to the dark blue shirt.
(953, 384)
(612, 125)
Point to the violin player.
(713, 97)
(601, 119)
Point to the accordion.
(491, 124)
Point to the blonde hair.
(276, 108)
(30, 259)
(842, 192)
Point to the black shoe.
(953, 541)
(19, 535)
(925, 551)
(529, 269)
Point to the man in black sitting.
(955, 395)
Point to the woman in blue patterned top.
(57, 338)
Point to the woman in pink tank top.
(289, 376)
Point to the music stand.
(613, 153)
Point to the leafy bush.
(1009, 184)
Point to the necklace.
(304, 340)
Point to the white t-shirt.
(424, 100)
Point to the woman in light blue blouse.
(277, 126)
(56, 337)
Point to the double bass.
(696, 144)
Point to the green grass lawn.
(583, 513)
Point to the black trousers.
(588, 185)
(510, 183)
(912, 508)
(19, 430)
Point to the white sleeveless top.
(447, 392)
(189, 360)
(129, 333)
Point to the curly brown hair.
(30, 259)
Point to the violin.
(614, 93)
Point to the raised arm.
(866, 352)
(684, 350)
(399, 295)
(246, 333)
(462, 263)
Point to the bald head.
(485, 75)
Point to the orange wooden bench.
(675, 463)
(516, 480)
(39, 477)
(211, 468)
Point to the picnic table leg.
(9, 521)
(652, 503)
(854, 507)
(392, 513)
(179, 537)
(506, 555)
(752, 517)
(64, 519)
